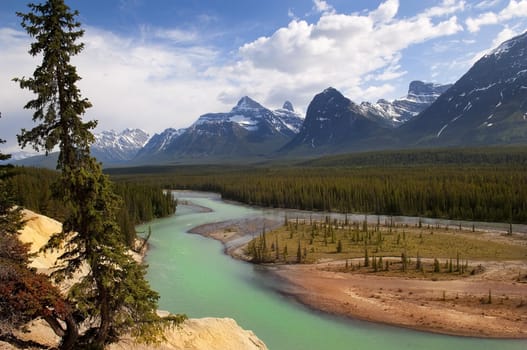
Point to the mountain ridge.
(118, 147)
(247, 130)
(487, 105)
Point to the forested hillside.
(33, 190)
(484, 185)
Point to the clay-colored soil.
(459, 307)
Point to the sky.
(157, 64)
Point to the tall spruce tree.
(114, 296)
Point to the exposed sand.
(193, 334)
(418, 304)
(37, 231)
(234, 234)
(201, 334)
(457, 307)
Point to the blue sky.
(154, 64)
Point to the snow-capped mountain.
(488, 105)
(291, 119)
(159, 143)
(19, 155)
(395, 113)
(253, 117)
(332, 123)
(115, 147)
(248, 130)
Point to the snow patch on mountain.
(420, 96)
(113, 146)
(247, 104)
(252, 116)
(506, 46)
(159, 142)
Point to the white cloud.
(16, 62)
(322, 6)
(385, 12)
(341, 50)
(485, 4)
(177, 35)
(474, 24)
(447, 7)
(372, 92)
(131, 83)
(515, 9)
(504, 35)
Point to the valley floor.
(454, 306)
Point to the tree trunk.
(69, 335)
(72, 334)
(55, 326)
(104, 328)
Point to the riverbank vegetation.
(385, 248)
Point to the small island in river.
(449, 280)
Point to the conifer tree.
(299, 254)
(437, 267)
(114, 296)
(10, 216)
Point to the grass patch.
(417, 249)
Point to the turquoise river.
(195, 277)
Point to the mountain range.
(248, 130)
(486, 106)
(111, 147)
(251, 131)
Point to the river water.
(194, 276)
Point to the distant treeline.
(486, 156)
(141, 202)
(480, 185)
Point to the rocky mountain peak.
(111, 146)
(247, 103)
(397, 112)
(288, 106)
(421, 88)
(330, 95)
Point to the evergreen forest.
(33, 189)
(477, 185)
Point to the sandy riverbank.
(457, 307)
(234, 234)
